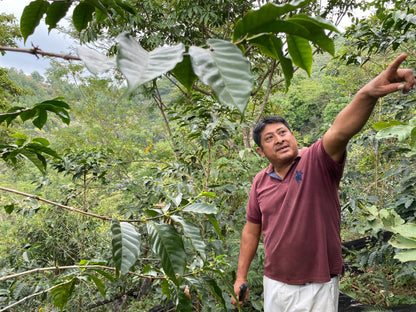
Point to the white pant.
(311, 297)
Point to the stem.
(36, 51)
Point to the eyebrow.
(276, 130)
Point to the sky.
(55, 42)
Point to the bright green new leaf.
(401, 132)
(194, 234)
(82, 15)
(301, 52)
(205, 208)
(96, 62)
(406, 255)
(224, 68)
(31, 16)
(126, 245)
(140, 66)
(166, 242)
(273, 46)
(260, 21)
(61, 294)
(56, 11)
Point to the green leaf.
(401, 132)
(380, 125)
(166, 242)
(9, 208)
(56, 11)
(301, 52)
(126, 245)
(406, 255)
(214, 222)
(260, 21)
(42, 141)
(31, 16)
(194, 234)
(184, 303)
(140, 66)
(61, 294)
(316, 31)
(41, 148)
(205, 208)
(402, 242)
(99, 283)
(216, 290)
(407, 230)
(96, 62)
(225, 70)
(184, 73)
(40, 121)
(38, 160)
(82, 15)
(272, 46)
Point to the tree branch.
(73, 209)
(36, 52)
(68, 267)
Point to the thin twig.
(36, 51)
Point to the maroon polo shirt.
(300, 218)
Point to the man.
(294, 203)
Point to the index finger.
(397, 62)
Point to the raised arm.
(354, 116)
(249, 242)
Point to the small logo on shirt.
(298, 177)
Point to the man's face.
(278, 144)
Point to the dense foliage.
(138, 199)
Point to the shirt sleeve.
(253, 213)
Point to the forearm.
(354, 116)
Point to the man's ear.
(260, 151)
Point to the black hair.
(265, 121)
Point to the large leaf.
(402, 242)
(406, 255)
(56, 11)
(301, 52)
(194, 234)
(224, 68)
(96, 62)
(205, 208)
(272, 46)
(140, 66)
(126, 245)
(258, 21)
(166, 242)
(316, 27)
(31, 16)
(61, 294)
(401, 132)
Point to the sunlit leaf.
(225, 70)
(140, 66)
(61, 294)
(406, 255)
(401, 132)
(201, 208)
(96, 62)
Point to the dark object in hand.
(243, 291)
